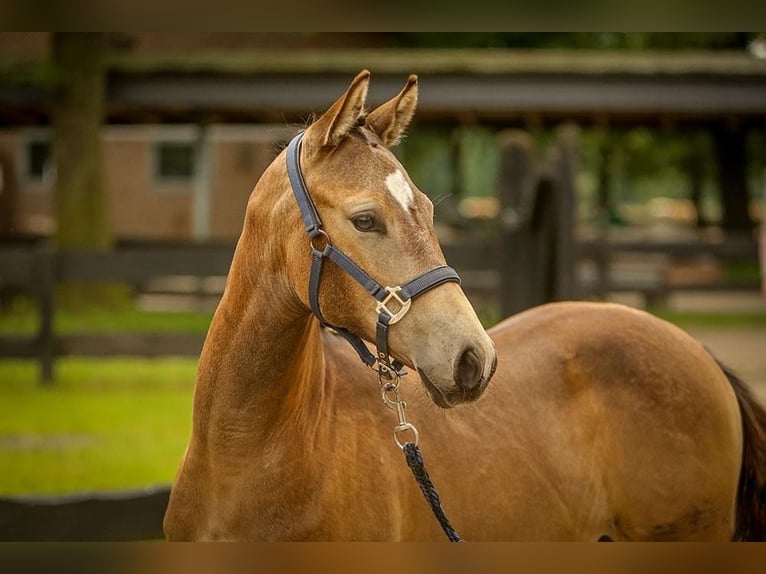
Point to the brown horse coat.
(599, 420)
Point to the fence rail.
(85, 516)
(484, 265)
(37, 270)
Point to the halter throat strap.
(393, 302)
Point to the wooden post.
(541, 234)
(601, 255)
(203, 175)
(515, 182)
(731, 155)
(694, 166)
(8, 194)
(45, 261)
(567, 165)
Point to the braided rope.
(415, 462)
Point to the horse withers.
(600, 421)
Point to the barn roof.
(505, 86)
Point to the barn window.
(38, 160)
(174, 161)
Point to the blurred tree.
(80, 199)
(80, 202)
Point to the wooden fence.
(521, 270)
(38, 270)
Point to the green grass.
(23, 320)
(712, 319)
(490, 315)
(124, 423)
(106, 424)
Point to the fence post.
(567, 165)
(602, 255)
(516, 195)
(45, 263)
(537, 214)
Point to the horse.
(601, 422)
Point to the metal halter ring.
(320, 233)
(404, 306)
(402, 428)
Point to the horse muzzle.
(472, 373)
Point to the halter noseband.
(385, 296)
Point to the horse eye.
(364, 222)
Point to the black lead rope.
(415, 462)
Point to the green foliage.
(646, 163)
(488, 313)
(22, 72)
(478, 161)
(654, 164)
(428, 154)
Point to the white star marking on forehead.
(400, 189)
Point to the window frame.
(47, 177)
(162, 180)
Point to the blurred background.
(605, 166)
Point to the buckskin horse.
(601, 422)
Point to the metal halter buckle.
(404, 306)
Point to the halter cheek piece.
(399, 297)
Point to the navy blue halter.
(402, 296)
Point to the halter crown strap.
(308, 209)
(401, 296)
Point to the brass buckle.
(404, 306)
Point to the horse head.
(373, 213)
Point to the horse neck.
(262, 367)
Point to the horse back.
(628, 408)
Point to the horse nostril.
(468, 369)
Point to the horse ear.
(391, 119)
(343, 115)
